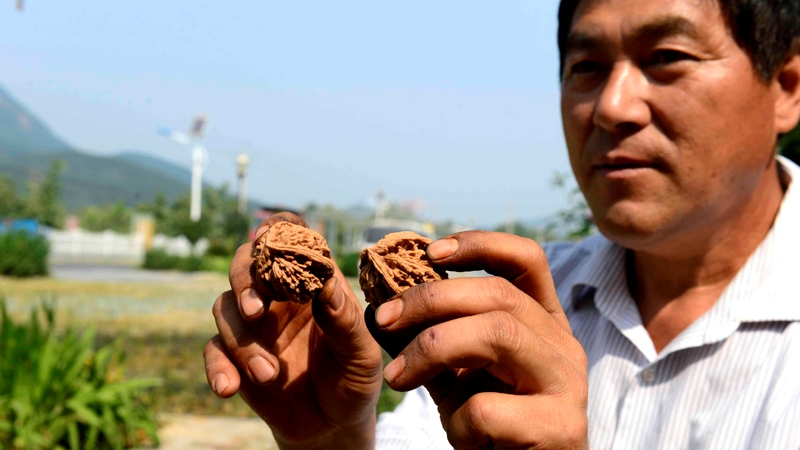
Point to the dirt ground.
(190, 432)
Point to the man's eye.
(585, 67)
(663, 57)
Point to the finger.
(222, 375)
(427, 304)
(393, 344)
(252, 304)
(468, 383)
(519, 260)
(339, 317)
(517, 421)
(495, 341)
(239, 340)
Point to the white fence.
(80, 246)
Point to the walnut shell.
(292, 263)
(394, 264)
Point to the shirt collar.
(758, 293)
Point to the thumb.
(339, 317)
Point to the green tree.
(52, 209)
(179, 223)
(790, 145)
(116, 217)
(9, 201)
(575, 220)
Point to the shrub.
(219, 264)
(159, 260)
(190, 263)
(58, 392)
(349, 264)
(23, 254)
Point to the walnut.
(396, 263)
(292, 262)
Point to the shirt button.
(649, 375)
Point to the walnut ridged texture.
(292, 262)
(394, 264)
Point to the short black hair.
(766, 29)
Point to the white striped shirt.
(731, 380)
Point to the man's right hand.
(312, 371)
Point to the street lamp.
(199, 158)
(242, 161)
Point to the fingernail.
(251, 302)
(389, 312)
(220, 383)
(261, 370)
(394, 369)
(442, 248)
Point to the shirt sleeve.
(414, 425)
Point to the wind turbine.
(199, 158)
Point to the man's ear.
(787, 83)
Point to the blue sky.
(450, 102)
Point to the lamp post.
(199, 158)
(242, 161)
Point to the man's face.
(668, 126)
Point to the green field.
(166, 324)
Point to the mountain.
(21, 131)
(92, 179)
(28, 147)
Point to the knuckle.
(581, 360)
(240, 338)
(240, 266)
(577, 428)
(424, 298)
(534, 251)
(209, 349)
(505, 332)
(506, 296)
(477, 411)
(427, 343)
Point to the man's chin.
(632, 226)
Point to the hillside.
(21, 131)
(28, 147)
(92, 180)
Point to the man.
(675, 328)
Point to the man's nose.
(622, 103)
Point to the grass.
(166, 327)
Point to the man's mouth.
(622, 167)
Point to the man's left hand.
(496, 353)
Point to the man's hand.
(497, 354)
(312, 371)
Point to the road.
(118, 273)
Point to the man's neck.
(673, 287)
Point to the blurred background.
(142, 142)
